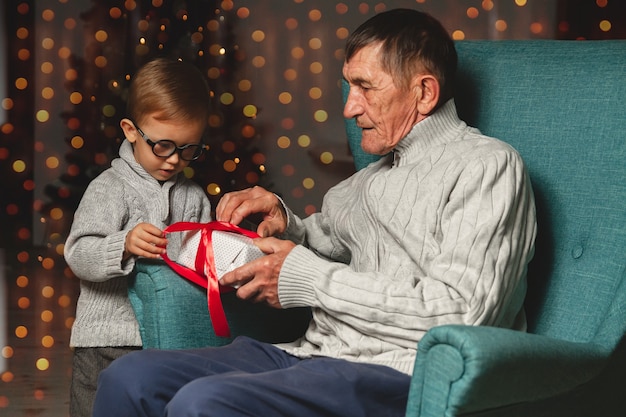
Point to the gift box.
(230, 251)
(207, 252)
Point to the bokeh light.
(275, 113)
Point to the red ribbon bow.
(205, 261)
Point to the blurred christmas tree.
(120, 40)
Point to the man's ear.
(428, 93)
(129, 129)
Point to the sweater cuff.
(114, 254)
(296, 282)
(295, 231)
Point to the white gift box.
(230, 251)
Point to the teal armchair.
(562, 105)
(173, 313)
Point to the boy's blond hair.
(168, 89)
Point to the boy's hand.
(145, 240)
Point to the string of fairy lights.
(273, 70)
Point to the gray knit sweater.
(442, 236)
(117, 200)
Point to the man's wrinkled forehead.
(365, 64)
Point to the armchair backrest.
(562, 105)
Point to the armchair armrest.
(173, 314)
(469, 369)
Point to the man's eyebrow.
(358, 81)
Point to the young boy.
(124, 210)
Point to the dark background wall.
(273, 68)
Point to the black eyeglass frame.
(197, 154)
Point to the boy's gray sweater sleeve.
(95, 245)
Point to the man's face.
(385, 112)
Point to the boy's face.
(180, 132)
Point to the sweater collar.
(439, 128)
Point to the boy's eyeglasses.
(165, 148)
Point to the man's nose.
(352, 108)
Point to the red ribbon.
(205, 264)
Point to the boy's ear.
(129, 129)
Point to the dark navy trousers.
(246, 378)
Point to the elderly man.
(438, 232)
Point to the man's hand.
(259, 278)
(145, 240)
(237, 205)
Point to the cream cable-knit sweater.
(443, 236)
(117, 200)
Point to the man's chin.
(371, 143)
